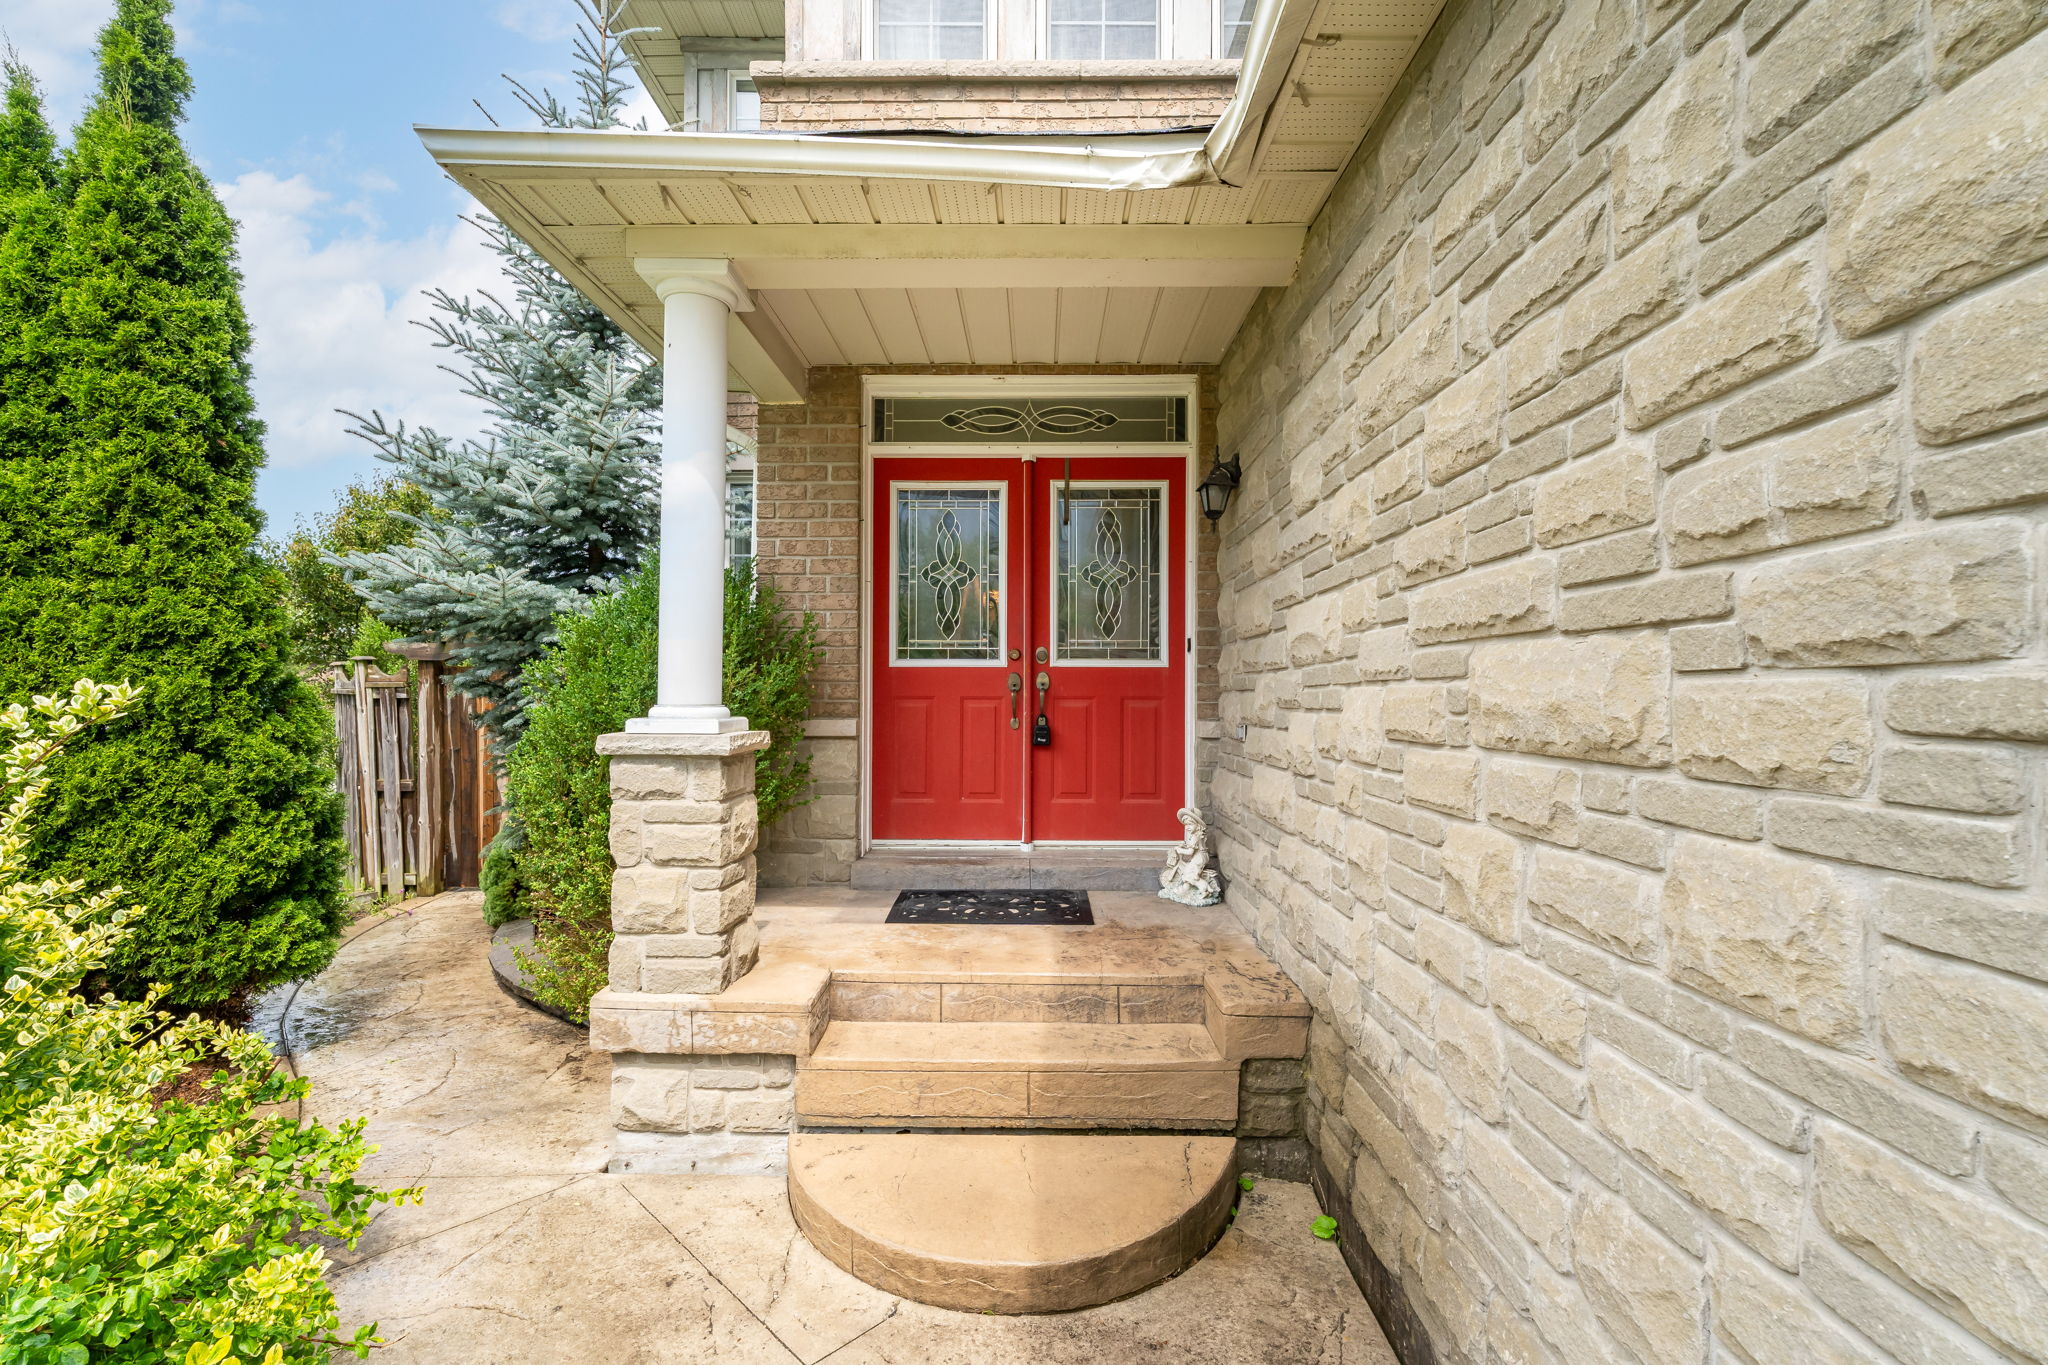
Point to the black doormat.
(991, 907)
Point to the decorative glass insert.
(1108, 587)
(1130, 419)
(1097, 30)
(1235, 17)
(949, 574)
(913, 30)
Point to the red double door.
(1008, 589)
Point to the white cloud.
(55, 38)
(641, 109)
(546, 21)
(333, 313)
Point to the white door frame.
(1049, 386)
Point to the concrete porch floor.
(525, 1251)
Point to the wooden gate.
(420, 789)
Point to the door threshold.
(1010, 867)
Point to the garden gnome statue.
(1188, 878)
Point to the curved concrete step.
(1011, 1223)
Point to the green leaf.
(1325, 1227)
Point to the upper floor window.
(931, 30)
(1103, 30)
(1234, 18)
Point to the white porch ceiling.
(1008, 326)
(929, 272)
(1008, 250)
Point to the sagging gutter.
(1221, 156)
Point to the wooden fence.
(417, 776)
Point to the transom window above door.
(931, 30)
(1025, 419)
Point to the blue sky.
(302, 115)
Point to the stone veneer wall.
(808, 523)
(1634, 604)
(988, 97)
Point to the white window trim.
(1162, 45)
(895, 528)
(1001, 31)
(1055, 598)
(1219, 46)
(871, 33)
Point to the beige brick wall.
(808, 524)
(988, 97)
(1635, 608)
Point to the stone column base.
(683, 829)
(700, 1153)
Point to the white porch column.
(697, 297)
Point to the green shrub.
(769, 660)
(135, 1227)
(600, 673)
(504, 890)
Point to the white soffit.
(656, 30)
(1009, 250)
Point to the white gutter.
(1139, 162)
(1136, 163)
(1278, 29)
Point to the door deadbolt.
(1041, 655)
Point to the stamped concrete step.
(1040, 869)
(1058, 1222)
(1016, 1075)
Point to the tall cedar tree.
(213, 803)
(30, 414)
(559, 499)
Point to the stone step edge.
(698, 1025)
(850, 1045)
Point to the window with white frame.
(931, 30)
(739, 497)
(743, 104)
(1234, 26)
(1102, 30)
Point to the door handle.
(1041, 728)
(1016, 697)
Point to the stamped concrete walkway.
(526, 1251)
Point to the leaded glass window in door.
(1108, 574)
(949, 574)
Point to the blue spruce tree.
(559, 498)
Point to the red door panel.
(1109, 604)
(974, 562)
(946, 762)
(1142, 767)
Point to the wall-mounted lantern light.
(1216, 488)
